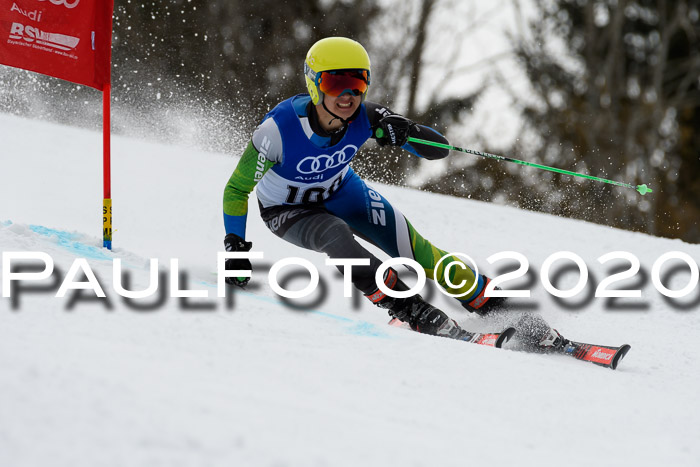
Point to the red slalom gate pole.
(106, 168)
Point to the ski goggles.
(338, 82)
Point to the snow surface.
(252, 382)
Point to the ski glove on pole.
(233, 242)
(396, 130)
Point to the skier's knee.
(336, 234)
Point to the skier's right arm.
(263, 151)
(250, 170)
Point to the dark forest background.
(613, 91)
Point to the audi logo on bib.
(67, 3)
(318, 164)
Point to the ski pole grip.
(379, 133)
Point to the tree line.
(613, 91)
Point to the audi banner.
(66, 39)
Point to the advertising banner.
(66, 39)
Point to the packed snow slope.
(250, 381)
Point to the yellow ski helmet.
(333, 53)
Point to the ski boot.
(552, 341)
(483, 305)
(533, 334)
(419, 314)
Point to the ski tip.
(504, 337)
(619, 355)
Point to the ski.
(533, 334)
(602, 355)
(493, 339)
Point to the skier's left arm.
(397, 129)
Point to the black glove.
(233, 242)
(396, 129)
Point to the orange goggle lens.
(336, 83)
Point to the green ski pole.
(642, 189)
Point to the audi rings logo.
(318, 164)
(70, 4)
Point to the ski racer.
(298, 162)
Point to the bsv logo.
(31, 34)
(70, 4)
(318, 164)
